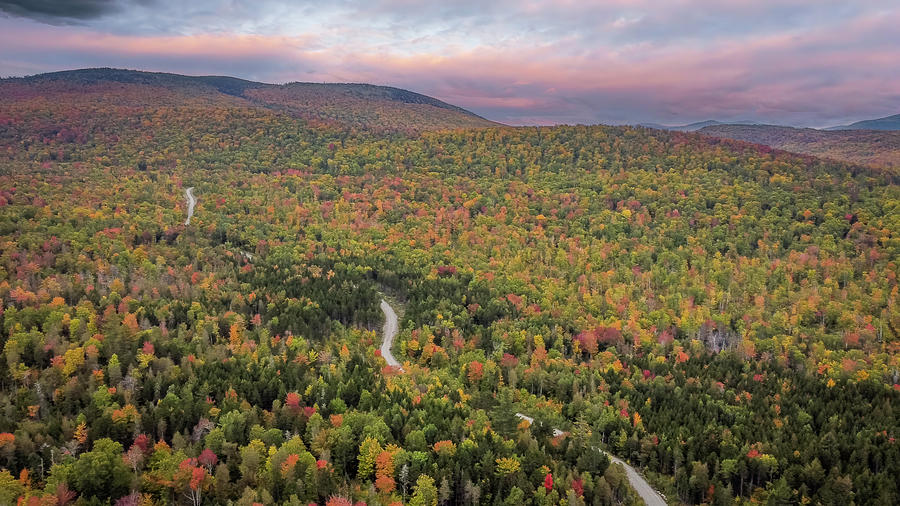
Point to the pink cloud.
(796, 75)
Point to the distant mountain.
(886, 123)
(866, 147)
(223, 84)
(693, 127)
(355, 106)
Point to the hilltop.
(343, 105)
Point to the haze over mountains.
(875, 143)
(693, 127)
(369, 104)
(886, 123)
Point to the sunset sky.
(799, 62)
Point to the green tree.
(425, 493)
(101, 472)
(368, 453)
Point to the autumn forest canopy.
(722, 315)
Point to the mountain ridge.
(885, 123)
(354, 105)
(697, 125)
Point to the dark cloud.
(54, 11)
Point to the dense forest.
(722, 315)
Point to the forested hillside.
(721, 315)
(350, 107)
(874, 148)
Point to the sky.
(522, 62)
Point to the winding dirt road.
(389, 332)
(191, 202)
(650, 496)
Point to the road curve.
(650, 496)
(389, 333)
(191, 202)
